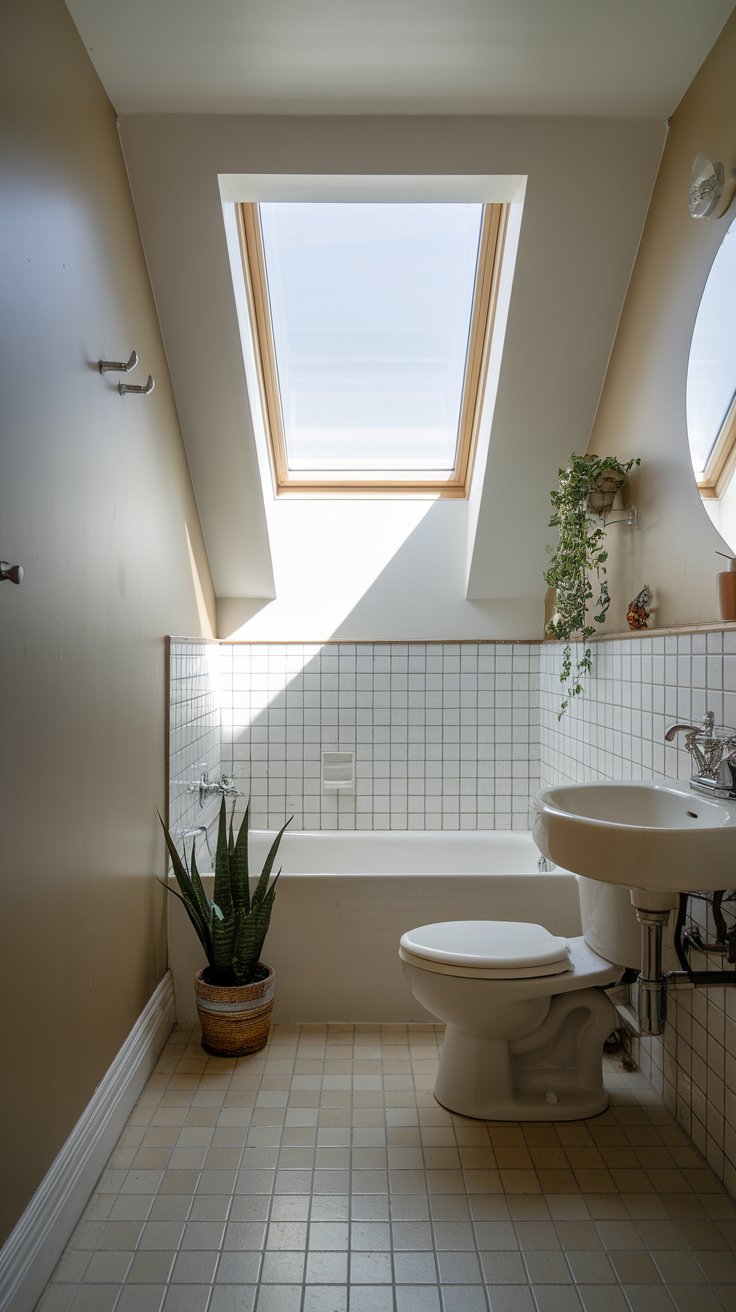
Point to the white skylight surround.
(370, 308)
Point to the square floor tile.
(371, 1298)
(325, 1298)
(370, 1268)
(326, 1268)
(417, 1298)
(464, 1298)
(415, 1268)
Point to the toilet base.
(573, 1105)
(552, 1074)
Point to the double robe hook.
(118, 367)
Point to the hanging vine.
(578, 556)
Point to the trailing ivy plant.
(578, 556)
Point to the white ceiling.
(590, 57)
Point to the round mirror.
(711, 391)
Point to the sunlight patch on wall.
(326, 556)
(204, 619)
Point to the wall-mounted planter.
(603, 491)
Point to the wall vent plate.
(338, 770)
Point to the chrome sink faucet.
(713, 749)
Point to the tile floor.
(320, 1175)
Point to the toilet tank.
(609, 921)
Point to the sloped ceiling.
(631, 57)
(589, 182)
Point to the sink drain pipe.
(653, 913)
(652, 990)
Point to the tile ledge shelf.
(714, 626)
(363, 642)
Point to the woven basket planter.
(235, 1021)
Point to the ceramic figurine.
(637, 614)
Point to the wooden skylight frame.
(286, 483)
(722, 460)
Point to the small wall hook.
(117, 367)
(13, 573)
(144, 391)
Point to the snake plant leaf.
(202, 933)
(198, 887)
(224, 928)
(222, 894)
(198, 919)
(217, 911)
(239, 867)
(251, 937)
(262, 884)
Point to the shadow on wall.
(436, 563)
(354, 575)
(233, 613)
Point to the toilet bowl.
(525, 1013)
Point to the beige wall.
(96, 504)
(642, 409)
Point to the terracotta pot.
(235, 1021)
(726, 594)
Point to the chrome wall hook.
(144, 391)
(117, 367)
(13, 573)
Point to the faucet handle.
(709, 721)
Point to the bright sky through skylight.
(370, 307)
(711, 375)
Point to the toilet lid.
(489, 945)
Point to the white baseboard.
(28, 1257)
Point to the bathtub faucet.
(205, 787)
(713, 750)
(195, 832)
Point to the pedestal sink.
(655, 834)
(657, 838)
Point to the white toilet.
(525, 1012)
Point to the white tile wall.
(194, 729)
(616, 731)
(446, 736)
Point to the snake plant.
(233, 926)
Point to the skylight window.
(372, 323)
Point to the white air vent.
(338, 770)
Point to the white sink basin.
(653, 834)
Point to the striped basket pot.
(235, 1021)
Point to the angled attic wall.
(96, 504)
(642, 408)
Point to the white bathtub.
(345, 899)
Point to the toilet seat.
(486, 949)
